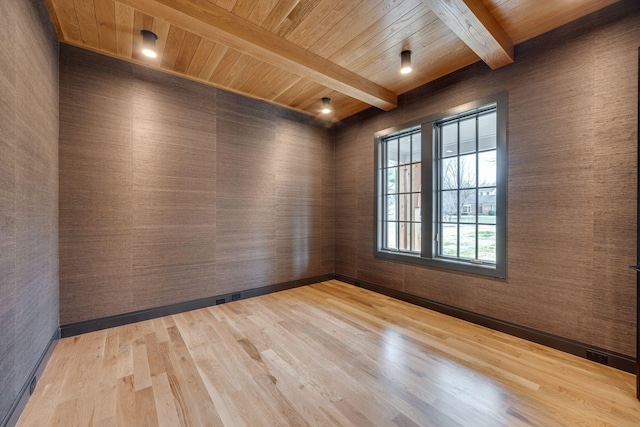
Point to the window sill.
(444, 264)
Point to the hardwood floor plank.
(165, 407)
(154, 358)
(197, 406)
(146, 408)
(141, 368)
(125, 359)
(328, 354)
(126, 401)
(160, 330)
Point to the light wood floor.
(328, 354)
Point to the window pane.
(392, 212)
(392, 152)
(468, 206)
(487, 131)
(416, 177)
(405, 150)
(487, 165)
(468, 171)
(487, 205)
(487, 243)
(416, 147)
(449, 135)
(450, 239)
(405, 207)
(405, 236)
(468, 241)
(404, 179)
(400, 190)
(468, 136)
(392, 180)
(449, 200)
(392, 235)
(449, 173)
(417, 238)
(415, 207)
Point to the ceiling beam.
(477, 27)
(215, 23)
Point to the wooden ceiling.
(294, 52)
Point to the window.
(402, 191)
(441, 189)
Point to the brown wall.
(172, 191)
(572, 145)
(28, 192)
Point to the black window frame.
(398, 192)
(429, 215)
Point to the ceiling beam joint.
(474, 24)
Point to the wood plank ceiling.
(294, 52)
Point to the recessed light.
(405, 62)
(326, 105)
(149, 44)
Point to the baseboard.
(20, 403)
(586, 351)
(84, 327)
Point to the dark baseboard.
(167, 310)
(586, 351)
(25, 392)
(250, 293)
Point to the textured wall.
(28, 192)
(173, 191)
(572, 141)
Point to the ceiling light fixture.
(405, 62)
(326, 105)
(149, 43)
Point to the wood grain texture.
(106, 21)
(28, 193)
(348, 47)
(509, 15)
(474, 24)
(224, 27)
(174, 191)
(571, 204)
(326, 354)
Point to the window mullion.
(477, 142)
(382, 181)
(398, 196)
(429, 139)
(385, 208)
(459, 180)
(411, 189)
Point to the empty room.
(319, 213)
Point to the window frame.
(384, 233)
(429, 216)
